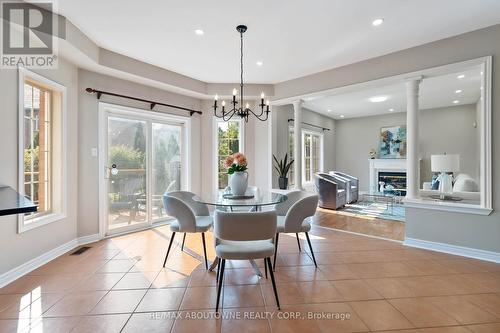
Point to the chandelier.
(242, 112)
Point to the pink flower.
(229, 161)
(240, 159)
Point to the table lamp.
(444, 164)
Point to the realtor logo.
(28, 35)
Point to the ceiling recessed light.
(378, 99)
(328, 110)
(482, 73)
(456, 101)
(259, 63)
(391, 110)
(461, 76)
(458, 91)
(377, 21)
(341, 116)
(199, 32)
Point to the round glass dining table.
(252, 199)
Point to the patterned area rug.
(376, 209)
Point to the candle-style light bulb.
(267, 102)
(262, 95)
(223, 103)
(247, 106)
(235, 92)
(216, 97)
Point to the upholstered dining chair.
(297, 220)
(244, 236)
(191, 217)
(283, 207)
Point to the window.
(312, 159)
(41, 153)
(229, 136)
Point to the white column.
(297, 144)
(412, 151)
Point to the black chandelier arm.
(258, 116)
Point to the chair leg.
(298, 241)
(217, 276)
(275, 250)
(274, 282)
(311, 249)
(204, 249)
(169, 246)
(221, 279)
(183, 240)
(265, 267)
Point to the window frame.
(25, 224)
(215, 152)
(303, 157)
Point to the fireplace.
(395, 179)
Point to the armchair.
(331, 192)
(354, 186)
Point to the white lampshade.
(445, 163)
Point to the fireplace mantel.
(384, 165)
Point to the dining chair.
(283, 207)
(244, 236)
(191, 217)
(297, 219)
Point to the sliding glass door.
(143, 156)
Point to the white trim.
(41, 260)
(446, 206)
(453, 249)
(23, 73)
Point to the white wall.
(16, 249)
(441, 130)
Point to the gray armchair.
(331, 192)
(354, 186)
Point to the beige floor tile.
(153, 322)
(380, 315)
(241, 276)
(485, 328)
(65, 324)
(142, 280)
(116, 266)
(168, 278)
(488, 302)
(289, 293)
(354, 290)
(199, 298)
(241, 296)
(338, 272)
(342, 318)
(422, 313)
(202, 278)
(100, 281)
(253, 320)
(75, 304)
(197, 321)
(30, 305)
(293, 318)
(390, 287)
(463, 311)
(112, 323)
(119, 301)
(161, 300)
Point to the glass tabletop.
(260, 198)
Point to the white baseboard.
(454, 249)
(41, 260)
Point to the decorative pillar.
(297, 144)
(412, 151)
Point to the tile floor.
(362, 284)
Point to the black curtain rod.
(308, 124)
(152, 104)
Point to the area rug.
(376, 210)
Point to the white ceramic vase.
(238, 182)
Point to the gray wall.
(356, 136)
(280, 131)
(15, 248)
